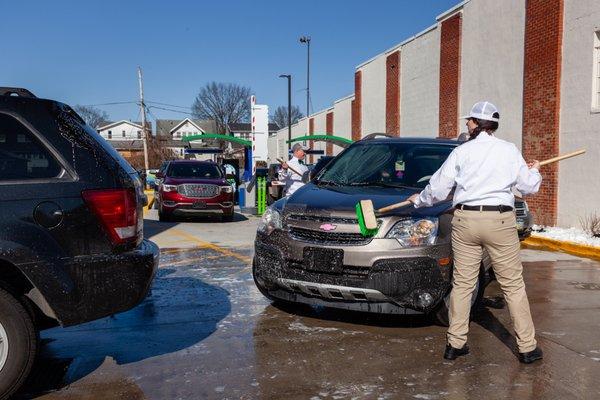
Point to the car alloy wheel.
(3, 346)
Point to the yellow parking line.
(190, 260)
(211, 246)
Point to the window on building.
(123, 133)
(110, 134)
(22, 156)
(596, 86)
(178, 134)
(139, 134)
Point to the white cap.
(298, 146)
(484, 110)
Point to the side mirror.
(159, 175)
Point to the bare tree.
(226, 103)
(280, 117)
(92, 116)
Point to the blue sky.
(87, 52)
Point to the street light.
(306, 39)
(289, 108)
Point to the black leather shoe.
(531, 356)
(451, 353)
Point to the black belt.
(500, 208)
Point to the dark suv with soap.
(71, 228)
(309, 248)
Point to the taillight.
(117, 211)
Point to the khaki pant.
(473, 231)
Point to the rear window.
(192, 170)
(22, 155)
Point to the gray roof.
(164, 126)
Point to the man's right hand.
(534, 164)
(284, 165)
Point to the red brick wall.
(392, 93)
(329, 131)
(311, 130)
(541, 99)
(449, 75)
(356, 107)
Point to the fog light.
(169, 203)
(425, 300)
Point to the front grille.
(316, 218)
(329, 238)
(198, 191)
(520, 209)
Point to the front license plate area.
(324, 260)
(199, 205)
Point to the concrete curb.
(580, 250)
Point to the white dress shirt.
(484, 171)
(292, 180)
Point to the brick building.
(537, 60)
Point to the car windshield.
(191, 170)
(386, 164)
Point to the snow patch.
(573, 235)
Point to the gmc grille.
(198, 191)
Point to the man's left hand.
(413, 198)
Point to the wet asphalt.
(205, 332)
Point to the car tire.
(19, 344)
(441, 312)
(163, 217)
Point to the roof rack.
(20, 92)
(377, 135)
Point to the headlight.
(169, 188)
(414, 232)
(270, 221)
(226, 189)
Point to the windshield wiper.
(326, 183)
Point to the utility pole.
(289, 108)
(143, 110)
(306, 39)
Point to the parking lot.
(206, 332)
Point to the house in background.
(123, 130)
(176, 129)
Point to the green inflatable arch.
(340, 141)
(227, 138)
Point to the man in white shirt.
(483, 172)
(296, 176)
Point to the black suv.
(71, 228)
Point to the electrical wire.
(169, 109)
(169, 105)
(111, 104)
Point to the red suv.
(191, 187)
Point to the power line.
(169, 105)
(111, 104)
(168, 109)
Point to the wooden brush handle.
(563, 157)
(394, 206)
(290, 168)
